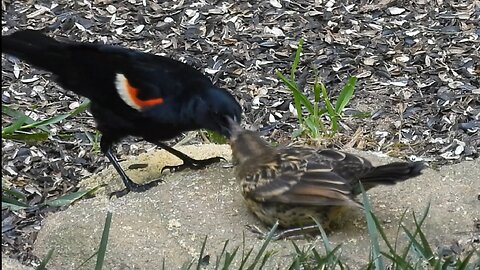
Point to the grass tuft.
(25, 128)
(313, 118)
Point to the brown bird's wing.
(348, 166)
(354, 169)
(301, 177)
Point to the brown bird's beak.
(234, 127)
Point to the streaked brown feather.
(292, 184)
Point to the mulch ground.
(418, 65)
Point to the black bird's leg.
(188, 162)
(106, 147)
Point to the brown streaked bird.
(294, 184)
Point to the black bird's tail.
(390, 174)
(36, 49)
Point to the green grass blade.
(318, 259)
(313, 126)
(299, 97)
(229, 259)
(48, 121)
(55, 119)
(290, 84)
(372, 231)
(398, 261)
(296, 60)
(304, 100)
(102, 250)
(477, 263)
(11, 192)
(297, 249)
(40, 136)
(267, 256)
(464, 264)
(330, 110)
(264, 246)
(187, 265)
(316, 115)
(87, 260)
(43, 263)
(317, 91)
(245, 257)
(382, 233)
(323, 234)
(14, 126)
(202, 250)
(295, 265)
(418, 247)
(396, 258)
(18, 114)
(397, 235)
(13, 204)
(13, 200)
(72, 197)
(409, 245)
(296, 98)
(345, 95)
(429, 254)
(326, 99)
(83, 107)
(217, 262)
(333, 259)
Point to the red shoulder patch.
(129, 94)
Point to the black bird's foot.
(193, 164)
(134, 187)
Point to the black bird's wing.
(131, 92)
(107, 74)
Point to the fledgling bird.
(132, 93)
(294, 184)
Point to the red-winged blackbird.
(132, 93)
(294, 184)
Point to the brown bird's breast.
(291, 216)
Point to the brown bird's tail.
(390, 174)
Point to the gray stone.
(170, 221)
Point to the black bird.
(294, 184)
(132, 93)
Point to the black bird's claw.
(134, 187)
(193, 164)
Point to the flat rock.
(169, 222)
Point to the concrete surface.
(170, 221)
